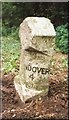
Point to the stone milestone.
(37, 36)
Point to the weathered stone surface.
(33, 29)
(37, 37)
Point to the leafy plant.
(65, 62)
(62, 38)
(13, 32)
(10, 51)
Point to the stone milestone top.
(40, 26)
(37, 33)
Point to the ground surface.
(53, 106)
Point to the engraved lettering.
(43, 71)
(39, 70)
(28, 68)
(47, 71)
(31, 76)
(34, 69)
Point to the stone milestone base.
(26, 93)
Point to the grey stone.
(37, 37)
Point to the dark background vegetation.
(13, 13)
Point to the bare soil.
(51, 106)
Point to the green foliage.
(13, 32)
(65, 62)
(62, 38)
(13, 13)
(10, 51)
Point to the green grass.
(10, 52)
(65, 62)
